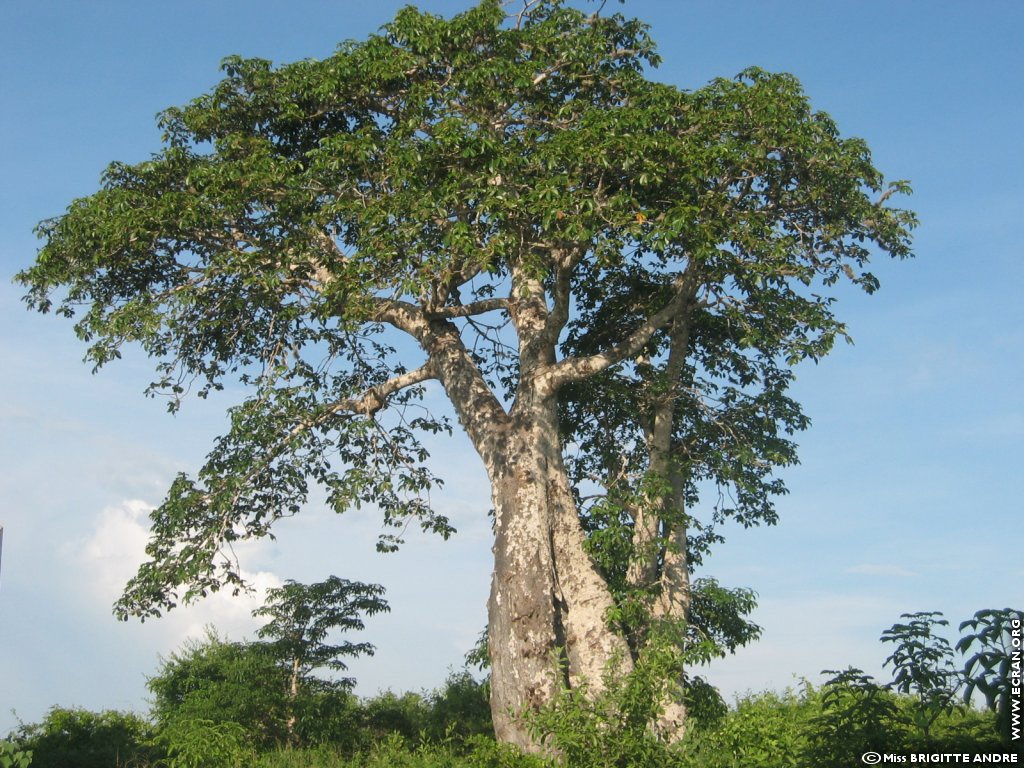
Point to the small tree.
(857, 715)
(922, 665)
(301, 618)
(988, 670)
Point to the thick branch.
(466, 310)
(576, 368)
(402, 315)
(375, 398)
(561, 297)
(479, 411)
(643, 570)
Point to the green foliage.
(389, 715)
(216, 681)
(825, 728)
(12, 756)
(455, 183)
(482, 752)
(199, 743)
(268, 688)
(923, 666)
(78, 738)
(964, 729)
(988, 669)
(303, 615)
(717, 622)
(479, 655)
(331, 717)
(297, 215)
(301, 618)
(768, 730)
(461, 709)
(857, 715)
(611, 727)
(487, 753)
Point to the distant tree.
(302, 616)
(607, 275)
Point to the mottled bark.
(548, 605)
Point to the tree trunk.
(547, 610)
(665, 563)
(548, 603)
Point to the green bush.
(612, 728)
(830, 727)
(197, 743)
(485, 752)
(332, 718)
(387, 714)
(78, 738)
(857, 715)
(461, 709)
(765, 730)
(223, 682)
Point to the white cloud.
(116, 547)
(110, 556)
(873, 569)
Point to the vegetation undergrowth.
(925, 708)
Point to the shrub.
(461, 709)
(406, 716)
(78, 738)
(613, 728)
(857, 716)
(223, 682)
(766, 730)
(197, 743)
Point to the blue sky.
(908, 495)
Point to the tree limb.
(479, 411)
(466, 310)
(575, 368)
(374, 398)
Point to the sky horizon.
(904, 500)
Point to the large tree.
(607, 275)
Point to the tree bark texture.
(547, 611)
